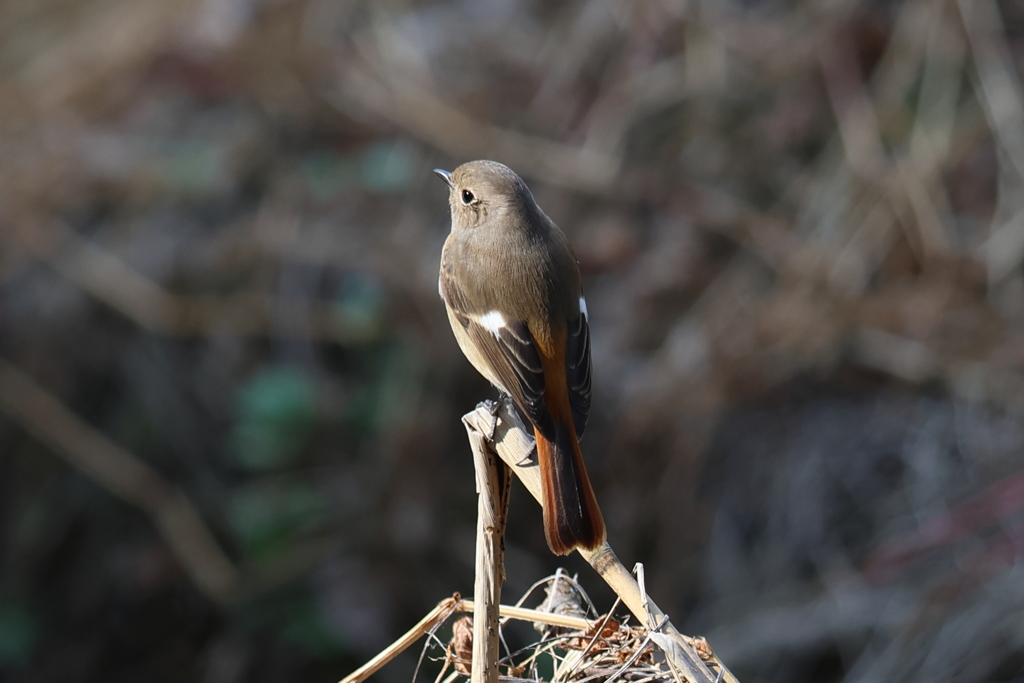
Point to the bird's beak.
(445, 176)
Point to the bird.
(512, 289)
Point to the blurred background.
(230, 446)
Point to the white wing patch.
(583, 308)
(492, 322)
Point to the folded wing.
(508, 350)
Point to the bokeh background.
(230, 446)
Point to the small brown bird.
(512, 288)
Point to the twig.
(443, 610)
(492, 483)
(597, 635)
(1001, 96)
(1001, 91)
(629, 662)
(436, 616)
(454, 604)
(110, 280)
(123, 474)
(862, 142)
(79, 60)
(384, 90)
(514, 445)
(532, 615)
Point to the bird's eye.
(467, 197)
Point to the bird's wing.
(577, 368)
(506, 347)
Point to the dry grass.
(573, 644)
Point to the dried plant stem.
(431, 117)
(123, 474)
(110, 280)
(514, 445)
(492, 483)
(425, 625)
(532, 615)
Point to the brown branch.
(143, 301)
(863, 147)
(492, 483)
(514, 445)
(386, 93)
(123, 474)
(425, 625)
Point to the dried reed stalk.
(514, 445)
(492, 483)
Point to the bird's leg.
(494, 408)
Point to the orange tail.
(572, 518)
